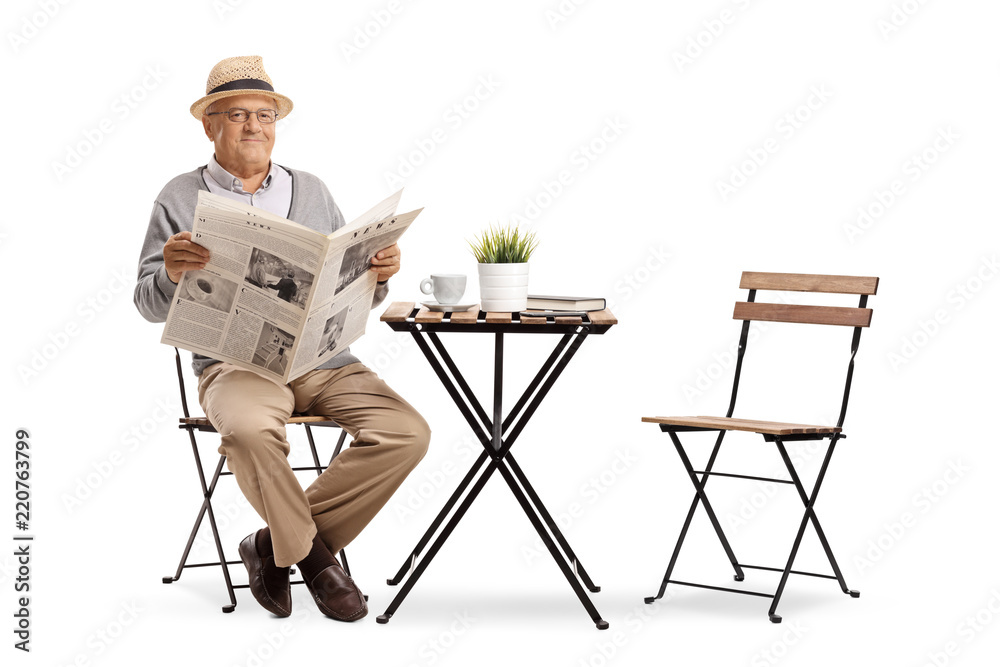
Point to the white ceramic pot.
(503, 288)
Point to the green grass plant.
(503, 245)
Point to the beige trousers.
(250, 412)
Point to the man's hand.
(386, 262)
(181, 254)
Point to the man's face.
(241, 148)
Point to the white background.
(96, 114)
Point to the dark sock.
(264, 546)
(319, 559)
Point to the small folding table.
(495, 432)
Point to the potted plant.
(502, 253)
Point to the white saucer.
(446, 308)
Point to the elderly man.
(238, 114)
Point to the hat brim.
(284, 104)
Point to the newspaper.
(276, 297)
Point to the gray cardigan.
(173, 212)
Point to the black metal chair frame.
(497, 435)
(808, 499)
(191, 425)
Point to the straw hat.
(242, 75)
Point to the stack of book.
(559, 304)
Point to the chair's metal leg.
(700, 496)
(340, 445)
(320, 470)
(206, 508)
(700, 486)
(822, 535)
(208, 491)
(197, 525)
(809, 501)
(312, 448)
(784, 573)
(833, 561)
(223, 562)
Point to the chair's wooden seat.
(734, 424)
(203, 424)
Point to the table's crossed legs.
(497, 434)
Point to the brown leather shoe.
(268, 582)
(336, 594)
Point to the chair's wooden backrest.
(801, 282)
(782, 312)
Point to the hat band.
(243, 84)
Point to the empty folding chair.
(778, 433)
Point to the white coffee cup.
(447, 288)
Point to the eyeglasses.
(264, 116)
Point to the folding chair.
(192, 424)
(777, 432)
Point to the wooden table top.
(403, 315)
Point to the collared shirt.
(274, 195)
